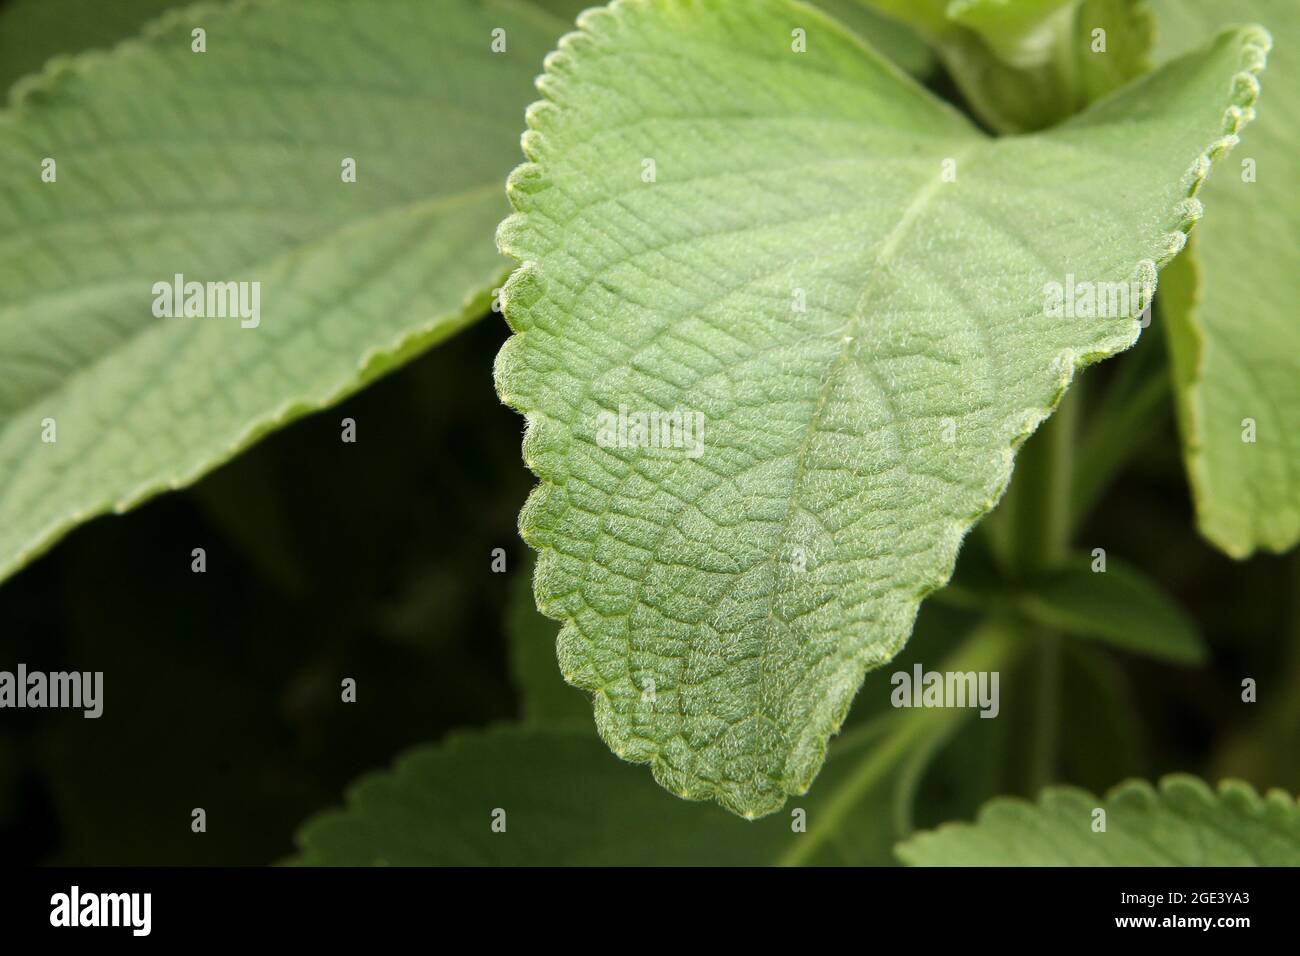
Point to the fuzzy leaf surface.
(865, 342)
(226, 166)
(1183, 823)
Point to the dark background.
(373, 561)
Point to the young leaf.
(1023, 33)
(1184, 823)
(1028, 64)
(229, 165)
(1233, 336)
(1121, 606)
(839, 283)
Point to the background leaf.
(825, 427)
(32, 31)
(1121, 606)
(226, 166)
(1232, 319)
(1184, 823)
(1028, 64)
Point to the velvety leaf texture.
(227, 166)
(1232, 312)
(839, 285)
(1184, 823)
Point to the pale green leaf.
(1120, 606)
(757, 583)
(1184, 823)
(1233, 332)
(226, 166)
(1023, 33)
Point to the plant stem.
(988, 647)
(1040, 522)
(1039, 500)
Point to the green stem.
(1039, 501)
(1135, 405)
(1040, 523)
(989, 647)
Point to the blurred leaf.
(1023, 33)
(226, 166)
(567, 803)
(885, 34)
(1185, 823)
(1121, 606)
(32, 31)
(1233, 333)
(1030, 64)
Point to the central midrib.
(848, 334)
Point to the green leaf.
(758, 582)
(565, 803)
(1120, 606)
(1027, 65)
(1184, 823)
(226, 166)
(887, 35)
(1234, 340)
(1023, 33)
(436, 809)
(32, 31)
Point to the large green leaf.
(1233, 332)
(227, 166)
(1184, 823)
(801, 275)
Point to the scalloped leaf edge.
(596, 25)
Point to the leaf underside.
(226, 166)
(1184, 823)
(800, 274)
